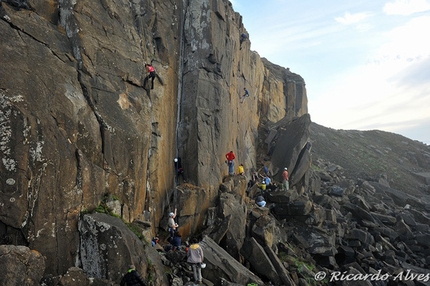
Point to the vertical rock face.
(215, 72)
(77, 122)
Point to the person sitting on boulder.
(132, 278)
(266, 170)
(263, 185)
(241, 170)
(260, 201)
(176, 241)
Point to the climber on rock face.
(179, 170)
(245, 95)
(151, 75)
(243, 38)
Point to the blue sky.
(366, 64)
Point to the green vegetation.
(316, 168)
(136, 230)
(304, 268)
(300, 264)
(104, 208)
(150, 269)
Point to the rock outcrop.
(20, 266)
(79, 122)
(82, 132)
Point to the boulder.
(232, 205)
(264, 230)
(317, 241)
(302, 206)
(20, 265)
(361, 235)
(404, 231)
(75, 277)
(385, 219)
(218, 230)
(280, 269)
(292, 149)
(336, 191)
(253, 252)
(108, 247)
(221, 265)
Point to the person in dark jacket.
(242, 39)
(132, 278)
(179, 169)
(176, 241)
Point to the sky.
(366, 64)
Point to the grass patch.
(105, 209)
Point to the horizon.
(366, 65)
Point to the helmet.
(171, 214)
(285, 168)
(176, 159)
(202, 265)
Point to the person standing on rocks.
(176, 241)
(195, 257)
(173, 226)
(286, 179)
(266, 170)
(132, 278)
(267, 180)
(260, 201)
(230, 162)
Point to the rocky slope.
(373, 155)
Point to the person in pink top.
(286, 179)
(151, 75)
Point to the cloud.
(406, 7)
(349, 18)
(409, 38)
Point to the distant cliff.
(77, 121)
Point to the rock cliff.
(79, 123)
